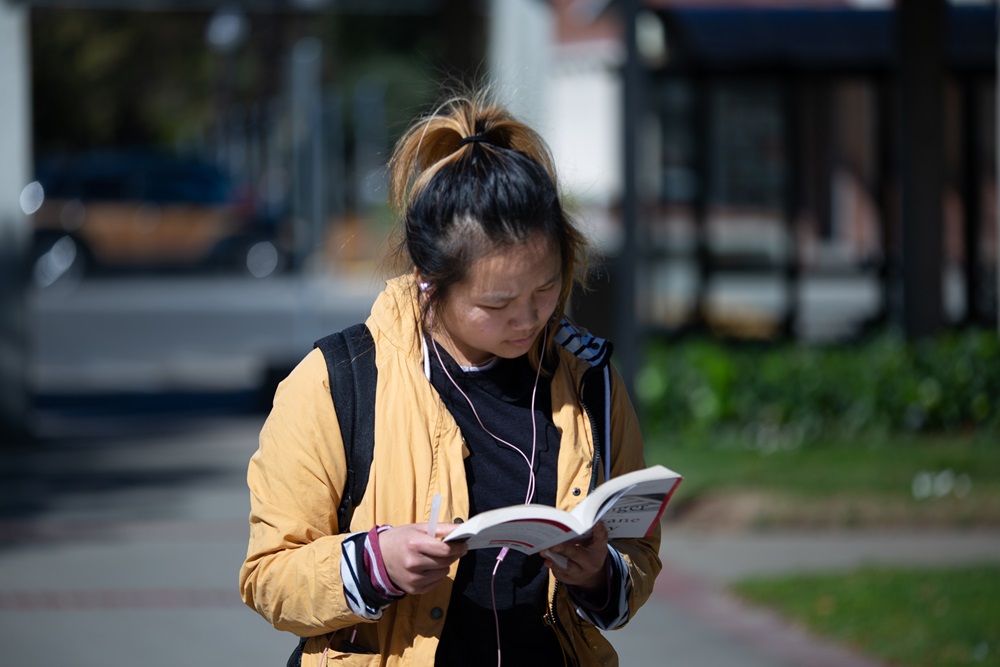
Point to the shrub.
(788, 393)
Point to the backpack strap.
(595, 395)
(350, 361)
(595, 390)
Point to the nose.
(525, 316)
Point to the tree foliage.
(150, 78)
(114, 77)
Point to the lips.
(521, 342)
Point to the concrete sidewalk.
(122, 546)
(724, 557)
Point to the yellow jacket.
(291, 575)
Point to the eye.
(548, 288)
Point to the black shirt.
(498, 476)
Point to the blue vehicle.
(143, 210)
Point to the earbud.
(424, 286)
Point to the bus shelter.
(818, 172)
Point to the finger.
(435, 554)
(600, 532)
(441, 531)
(597, 535)
(431, 563)
(445, 529)
(555, 559)
(583, 558)
(417, 536)
(442, 551)
(432, 574)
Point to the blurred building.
(774, 172)
(742, 165)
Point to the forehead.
(511, 268)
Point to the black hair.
(470, 179)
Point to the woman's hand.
(585, 558)
(415, 561)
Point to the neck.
(488, 361)
(444, 340)
(439, 333)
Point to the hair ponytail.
(441, 138)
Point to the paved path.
(721, 558)
(120, 543)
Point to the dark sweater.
(498, 476)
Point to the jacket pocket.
(338, 650)
(338, 659)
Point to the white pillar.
(15, 121)
(15, 171)
(521, 33)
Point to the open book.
(629, 505)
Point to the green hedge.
(784, 395)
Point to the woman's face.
(503, 304)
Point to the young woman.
(478, 399)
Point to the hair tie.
(474, 139)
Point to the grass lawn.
(940, 480)
(907, 617)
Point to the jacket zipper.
(598, 438)
(596, 466)
(551, 619)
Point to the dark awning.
(827, 38)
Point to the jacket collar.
(395, 315)
(582, 344)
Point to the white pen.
(432, 525)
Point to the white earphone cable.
(534, 426)
(531, 462)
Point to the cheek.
(547, 305)
(490, 324)
(479, 322)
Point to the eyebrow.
(554, 279)
(507, 296)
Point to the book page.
(636, 512)
(529, 536)
(596, 504)
(526, 528)
(630, 505)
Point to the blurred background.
(793, 206)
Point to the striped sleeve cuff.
(607, 609)
(376, 566)
(361, 569)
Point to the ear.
(422, 284)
